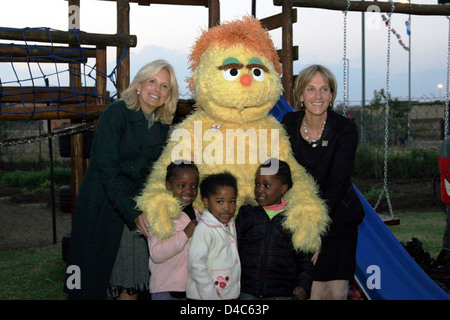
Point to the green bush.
(32, 164)
(21, 178)
(410, 163)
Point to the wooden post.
(214, 13)
(76, 140)
(123, 27)
(287, 59)
(100, 74)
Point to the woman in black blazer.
(325, 144)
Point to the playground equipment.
(80, 103)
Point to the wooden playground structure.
(95, 99)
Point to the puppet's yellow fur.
(233, 114)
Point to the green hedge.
(22, 178)
(412, 162)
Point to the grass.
(32, 274)
(38, 273)
(428, 227)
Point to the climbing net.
(33, 75)
(37, 77)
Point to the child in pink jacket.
(168, 258)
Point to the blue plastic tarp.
(384, 269)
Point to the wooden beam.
(213, 13)
(341, 5)
(69, 37)
(46, 51)
(76, 140)
(294, 53)
(287, 59)
(184, 108)
(43, 112)
(51, 112)
(100, 75)
(203, 3)
(43, 60)
(276, 21)
(55, 95)
(123, 27)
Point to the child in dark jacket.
(271, 267)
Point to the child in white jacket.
(213, 260)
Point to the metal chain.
(446, 133)
(55, 134)
(345, 60)
(386, 121)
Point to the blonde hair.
(164, 113)
(305, 77)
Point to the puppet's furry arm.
(159, 205)
(306, 213)
(307, 216)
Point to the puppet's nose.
(246, 80)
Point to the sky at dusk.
(169, 31)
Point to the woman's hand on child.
(299, 293)
(314, 257)
(189, 230)
(142, 224)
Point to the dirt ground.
(412, 195)
(28, 221)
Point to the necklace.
(314, 142)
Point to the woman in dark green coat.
(110, 257)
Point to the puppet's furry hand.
(160, 207)
(307, 219)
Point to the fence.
(422, 126)
(33, 219)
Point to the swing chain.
(345, 60)
(387, 108)
(446, 128)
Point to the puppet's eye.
(258, 74)
(230, 74)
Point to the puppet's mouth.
(238, 114)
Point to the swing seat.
(388, 220)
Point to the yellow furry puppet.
(236, 81)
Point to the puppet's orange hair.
(247, 31)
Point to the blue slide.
(280, 109)
(384, 269)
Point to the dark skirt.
(337, 258)
(131, 272)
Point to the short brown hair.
(305, 76)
